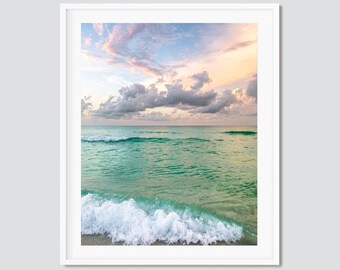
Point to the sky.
(168, 74)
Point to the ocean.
(169, 184)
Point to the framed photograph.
(169, 134)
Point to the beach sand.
(104, 240)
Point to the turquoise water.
(170, 184)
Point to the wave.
(110, 139)
(159, 132)
(132, 223)
(102, 139)
(240, 132)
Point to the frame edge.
(62, 133)
(275, 7)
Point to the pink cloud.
(89, 55)
(119, 38)
(87, 41)
(131, 43)
(240, 45)
(144, 67)
(115, 41)
(98, 27)
(135, 28)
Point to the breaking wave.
(111, 139)
(236, 132)
(130, 222)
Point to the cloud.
(87, 41)
(147, 66)
(98, 27)
(132, 91)
(177, 95)
(153, 116)
(167, 66)
(90, 55)
(231, 48)
(135, 45)
(137, 98)
(225, 100)
(240, 45)
(86, 105)
(134, 101)
(119, 38)
(201, 79)
(237, 101)
(252, 87)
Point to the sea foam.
(111, 139)
(130, 223)
(103, 138)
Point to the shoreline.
(105, 240)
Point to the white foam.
(128, 223)
(102, 138)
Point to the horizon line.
(103, 125)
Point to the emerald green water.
(210, 170)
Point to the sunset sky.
(169, 74)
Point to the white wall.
(29, 85)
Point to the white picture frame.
(267, 251)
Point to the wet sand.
(104, 240)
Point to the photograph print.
(168, 133)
